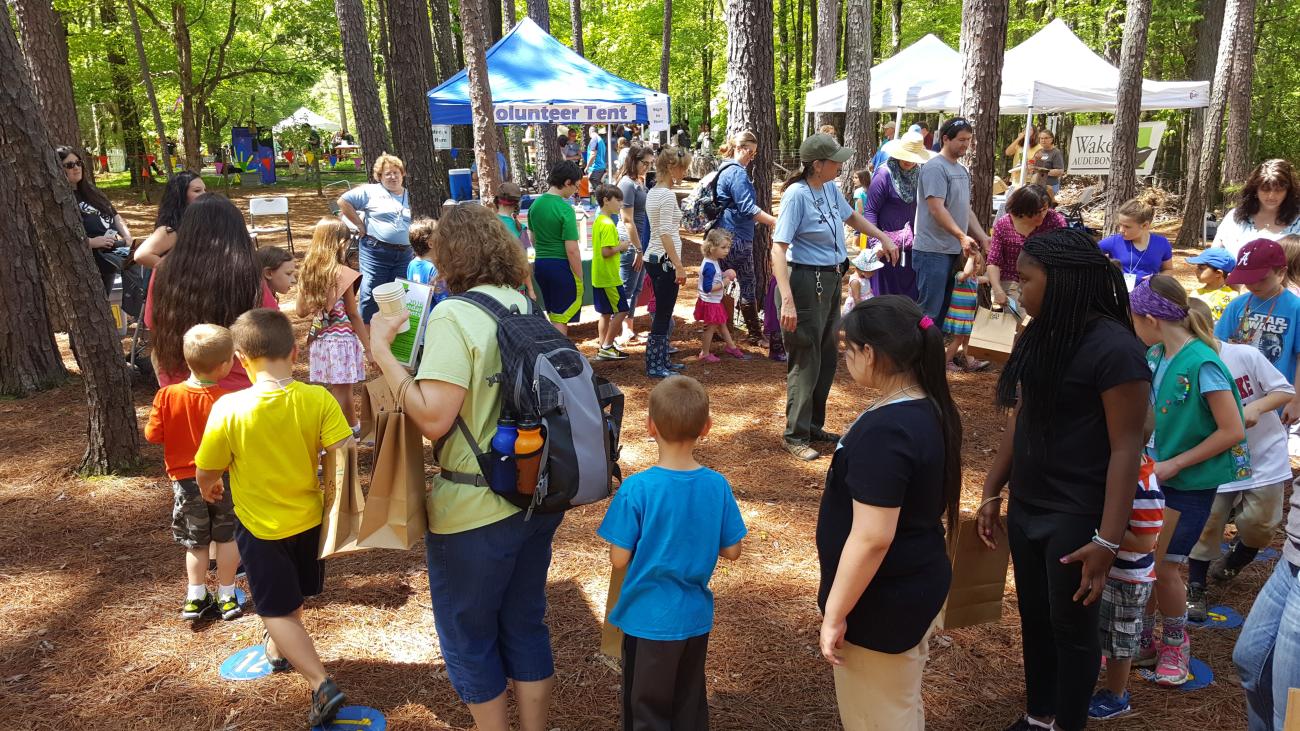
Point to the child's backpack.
(701, 210)
(543, 375)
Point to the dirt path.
(92, 580)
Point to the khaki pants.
(877, 691)
(1259, 514)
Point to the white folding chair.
(269, 207)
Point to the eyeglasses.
(73, 165)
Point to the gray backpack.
(544, 376)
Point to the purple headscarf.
(1145, 301)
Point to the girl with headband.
(1199, 444)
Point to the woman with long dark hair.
(1269, 207)
(181, 190)
(880, 537)
(105, 230)
(211, 276)
(1079, 389)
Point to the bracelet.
(988, 500)
(1112, 547)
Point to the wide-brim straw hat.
(909, 148)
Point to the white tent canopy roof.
(1052, 71)
(916, 79)
(306, 116)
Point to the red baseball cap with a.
(1255, 260)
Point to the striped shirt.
(1145, 520)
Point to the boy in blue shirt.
(667, 526)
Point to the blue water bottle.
(504, 479)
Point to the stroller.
(126, 301)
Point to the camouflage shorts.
(195, 522)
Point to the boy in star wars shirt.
(1267, 315)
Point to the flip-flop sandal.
(278, 664)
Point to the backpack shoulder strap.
(492, 306)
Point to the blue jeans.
(380, 264)
(634, 279)
(488, 587)
(1267, 654)
(934, 281)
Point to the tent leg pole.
(898, 123)
(1024, 148)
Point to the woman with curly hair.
(1269, 207)
(487, 565)
(182, 189)
(211, 276)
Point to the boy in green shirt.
(606, 280)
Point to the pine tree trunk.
(45, 46)
(1200, 187)
(189, 91)
(895, 26)
(800, 93)
(827, 53)
(29, 357)
(124, 97)
(518, 153)
(983, 43)
(113, 439)
(575, 25)
(386, 53)
(751, 106)
(548, 150)
(408, 23)
(473, 23)
(372, 135)
(1200, 67)
(1122, 183)
(666, 52)
(859, 134)
(1236, 158)
(449, 63)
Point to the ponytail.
(1201, 319)
(733, 142)
(904, 339)
(798, 176)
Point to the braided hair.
(1082, 284)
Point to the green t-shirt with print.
(604, 269)
(552, 222)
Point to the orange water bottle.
(528, 454)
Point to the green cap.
(823, 147)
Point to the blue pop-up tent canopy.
(535, 79)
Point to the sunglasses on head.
(72, 165)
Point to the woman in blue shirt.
(809, 232)
(740, 211)
(1138, 252)
(385, 249)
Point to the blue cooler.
(461, 187)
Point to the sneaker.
(1196, 611)
(709, 358)
(610, 353)
(1171, 671)
(972, 366)
(229, 608)
(804, 452)
(196, 608)
(1105, 704)
(325, 703)
(1146, 656)
(1220, 572)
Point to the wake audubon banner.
(1090, 148)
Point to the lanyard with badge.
(826, 218)
(1130, 273)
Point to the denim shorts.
(488, 587)
(1193, 508)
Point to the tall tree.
(372, 135)
(827, 51)
(983, 43)
(408, 24)
(665, 53)
(146, 78)
(1236, 157)
(29, 357)
(45, 45)
(895, 26)
(387, 53)
(575, 25)
(113, 438)
(796, 121)
(548, 150)
(473, 22)
(1201, 186)
(1200, 66)
(1122, 183)
(859, 132)
(515, 135)
(783, 83)
(752, 105)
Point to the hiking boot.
(1105, 704)
(821, 435)
(610, 353)
(196, 608)
(1221, 572)
(1196, 610)
(229, 608)
(325, 703)
(1171, 671)
(804, 452)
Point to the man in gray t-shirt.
(945, 224)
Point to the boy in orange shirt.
(179, 414)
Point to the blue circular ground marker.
(355, 718)
(1199, 675)
(247, 664)
(1221, 617)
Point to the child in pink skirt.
(708, 308)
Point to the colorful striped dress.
(961, 313)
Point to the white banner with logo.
(1090, 148)
(564, 113)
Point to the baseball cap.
(1216, 257)
(1255, 260)
(823, 147)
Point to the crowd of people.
(1141, 416)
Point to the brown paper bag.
(979, 576)
(993, 334)
(378, 397)
(611, 637)
(1292, 720)
(394, 515)
(344, 502)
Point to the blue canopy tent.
(535, 79)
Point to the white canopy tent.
(306, 116)
(918, 78)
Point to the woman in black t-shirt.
(1080, 388)
(880, 538)
(106, 232)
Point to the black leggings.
(1062, 650)
(664, 282)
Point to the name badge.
(1130, 280)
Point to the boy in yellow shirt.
(1212, 269)
(606, 282)
(269, 436)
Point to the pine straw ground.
(91, 582)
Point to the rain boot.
(753, 326)
(656, 357)
(776, 347)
